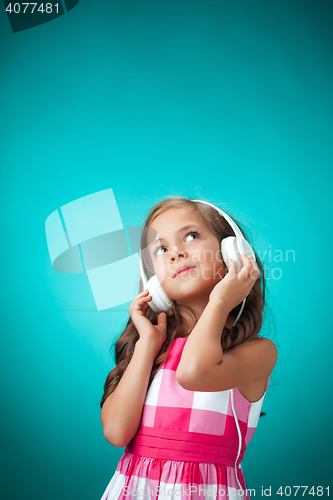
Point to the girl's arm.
(203, 365)
(122, 411)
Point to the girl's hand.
(154, 334)
(233, 288)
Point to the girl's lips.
(184, 271)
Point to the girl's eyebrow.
(188, 226)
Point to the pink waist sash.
(183, 446)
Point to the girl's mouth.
(185, 271)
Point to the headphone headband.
(142, 271)
(226, 216)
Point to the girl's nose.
(176, 252)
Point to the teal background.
(229, 101)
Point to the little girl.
(189, 383)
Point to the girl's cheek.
(160, 270)
(196, 256)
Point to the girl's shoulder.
(254, 389)
(267, 347)
(257, 338)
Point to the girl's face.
(183, 239)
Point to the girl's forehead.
(174, 221)
(175, 217)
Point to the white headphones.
(231, 247)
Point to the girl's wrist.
(220, 303)
(148, 347)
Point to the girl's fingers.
(144, 297)
(145, 308)
(232, 265)
(254, 272)
(232, 269)
(142, 300)
(244, 272)
(251, 267)
(248, 260)
(139, 297)
(138, 302)
(162, 320)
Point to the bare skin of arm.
(203, 365)
(122, 411)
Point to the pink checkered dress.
(187, 445)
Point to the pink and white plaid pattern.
(187, 443)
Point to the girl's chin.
(187, 295)
(185, 288)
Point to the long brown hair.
(247, 326)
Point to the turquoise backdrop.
(229, 101)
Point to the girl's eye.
(192, 232)
(156, 252)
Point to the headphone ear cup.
(160, 301)
(229, 250)
(232, 247)
(245, 247)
